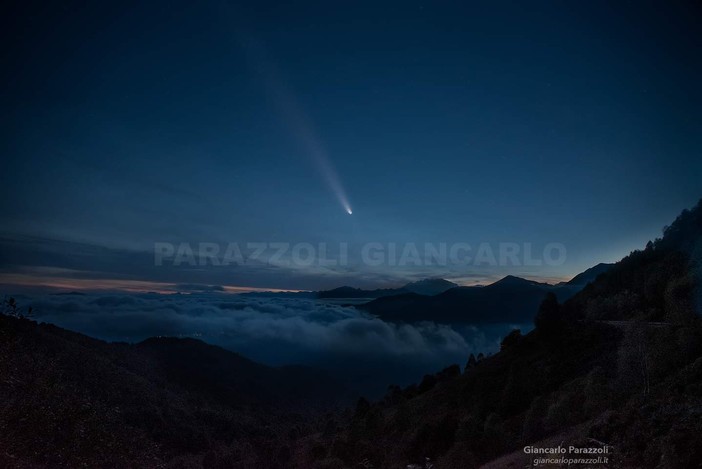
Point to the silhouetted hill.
(511, 299)
(512, 281)
(658, 283)
(282, 294)
(350, 292)
(429, 286)
(67, 400)
(589, 275)
(632, 385)
(236, 380)
(432, 286)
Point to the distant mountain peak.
(514, 280)
(351, 292)
(345, 288)
(425, 287)
(429, 286)
(590, 274)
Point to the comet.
(295, 118)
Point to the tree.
(428, 382)
(471, 362)
(549, 315)
(634, 360)
(393, 396)
(362, 406)
(9, 307)
(511, 339)
(449, 372)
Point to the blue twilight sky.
(125, 124)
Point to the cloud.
(276, 331)
(238, 320)
(196, 287)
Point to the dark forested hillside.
(619, 364)
(589, 275)
(67, 400)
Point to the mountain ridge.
(428, 287)
(618, 365)
(509, 300)
(73, 401)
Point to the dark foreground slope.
(67, 400)
(619, 364)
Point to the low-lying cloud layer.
(275, 331)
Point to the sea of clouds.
(277, 331)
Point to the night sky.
(126, 124)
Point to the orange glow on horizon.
(132, 286)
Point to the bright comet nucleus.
(350, 212)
